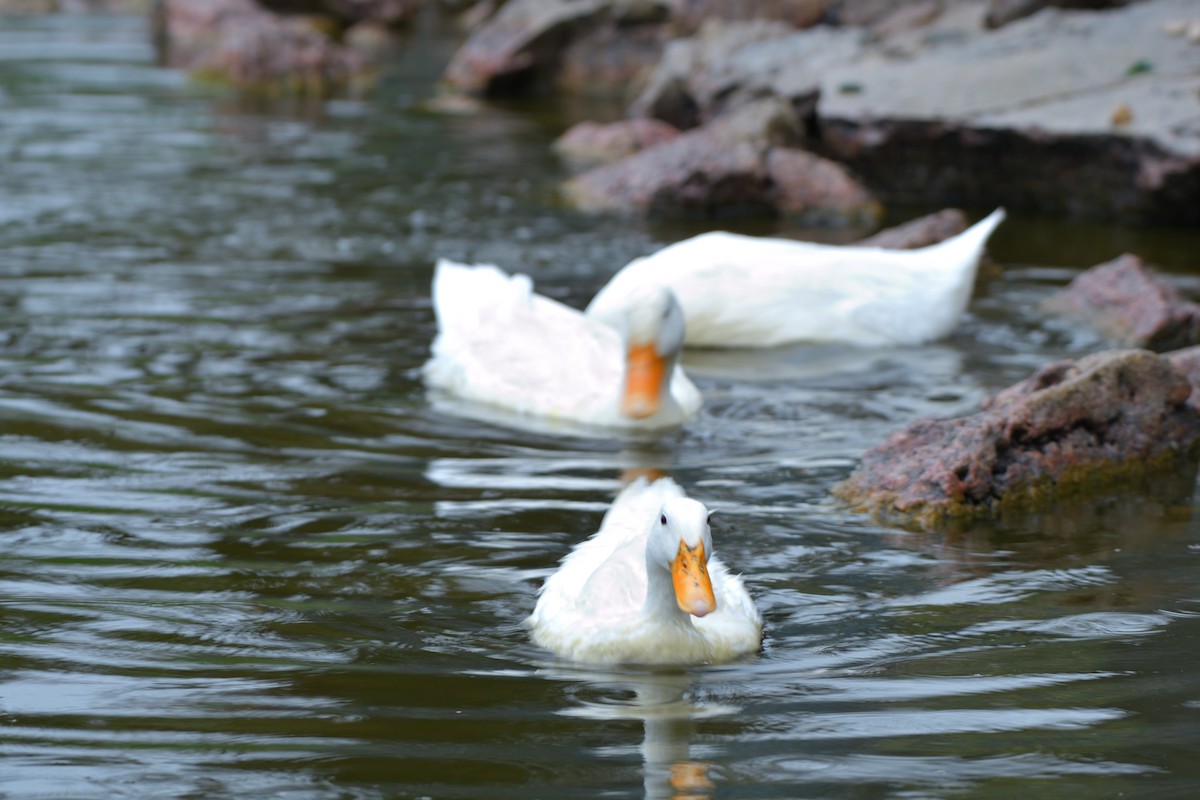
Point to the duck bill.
(644, 373)
(693, 588)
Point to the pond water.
(242, 555)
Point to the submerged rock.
(1073, 426)
(1130, 304)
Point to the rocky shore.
(1070, 108)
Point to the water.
(242, 555)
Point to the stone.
(689, 15)
(1127, 302)
(237, 42)
(588, 144)
(816, 190)
(1187, 362)
(1002, 12)
(729, 64)
(920, 232)
(1073, 427)
(521, 44)
(736, 163)
(1009, 117)
(390, 13)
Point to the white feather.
(501, 344)
(746, 291)
(595, 609)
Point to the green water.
(241, 555)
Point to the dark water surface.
(242, 556)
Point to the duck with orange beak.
(500, 344)
(647, 589)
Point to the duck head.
(680, 541)
(653, 326)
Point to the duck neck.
(660, 595)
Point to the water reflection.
(660, 700)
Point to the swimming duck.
(501, 344)
(747, 291)
(646, 588)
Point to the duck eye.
(663, 519)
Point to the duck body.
(501, 344)
(747, 291)
(621, 595)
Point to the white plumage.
(501, 344)
(746, 291)
(616, 598)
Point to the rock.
(1187, 363)
(820, 192)
(606, 58)
(390, 13)
(690, 15)
(237, 42)
(1127, 302)
(737, 162)
(920, 232)
(1007, 118)
(520, 45)
(1002, 12)
(863, 13)
(729, 64)
(588, 144)
(1072, 427)
(908, 17)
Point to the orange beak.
(693, 588)
(644, 371)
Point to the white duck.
(746, 291)
(646, 588)
(500, 344)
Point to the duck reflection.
(660, 700)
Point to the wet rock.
(738, 162)
(728, 64)
(391, 13)
(237, 42)
(588, 144)
(690, 15)
(1129, 303)
(605, 59)
(1187, 362)
(594, 46)
(1002, 12)
(805, 186)
(1072, 427)
(920, 232)
(521, 44)
(1006, 117)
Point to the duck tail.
(970, 242)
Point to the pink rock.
(1128, 302)
(591, 143)
(1073, 426)
(238, 42)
